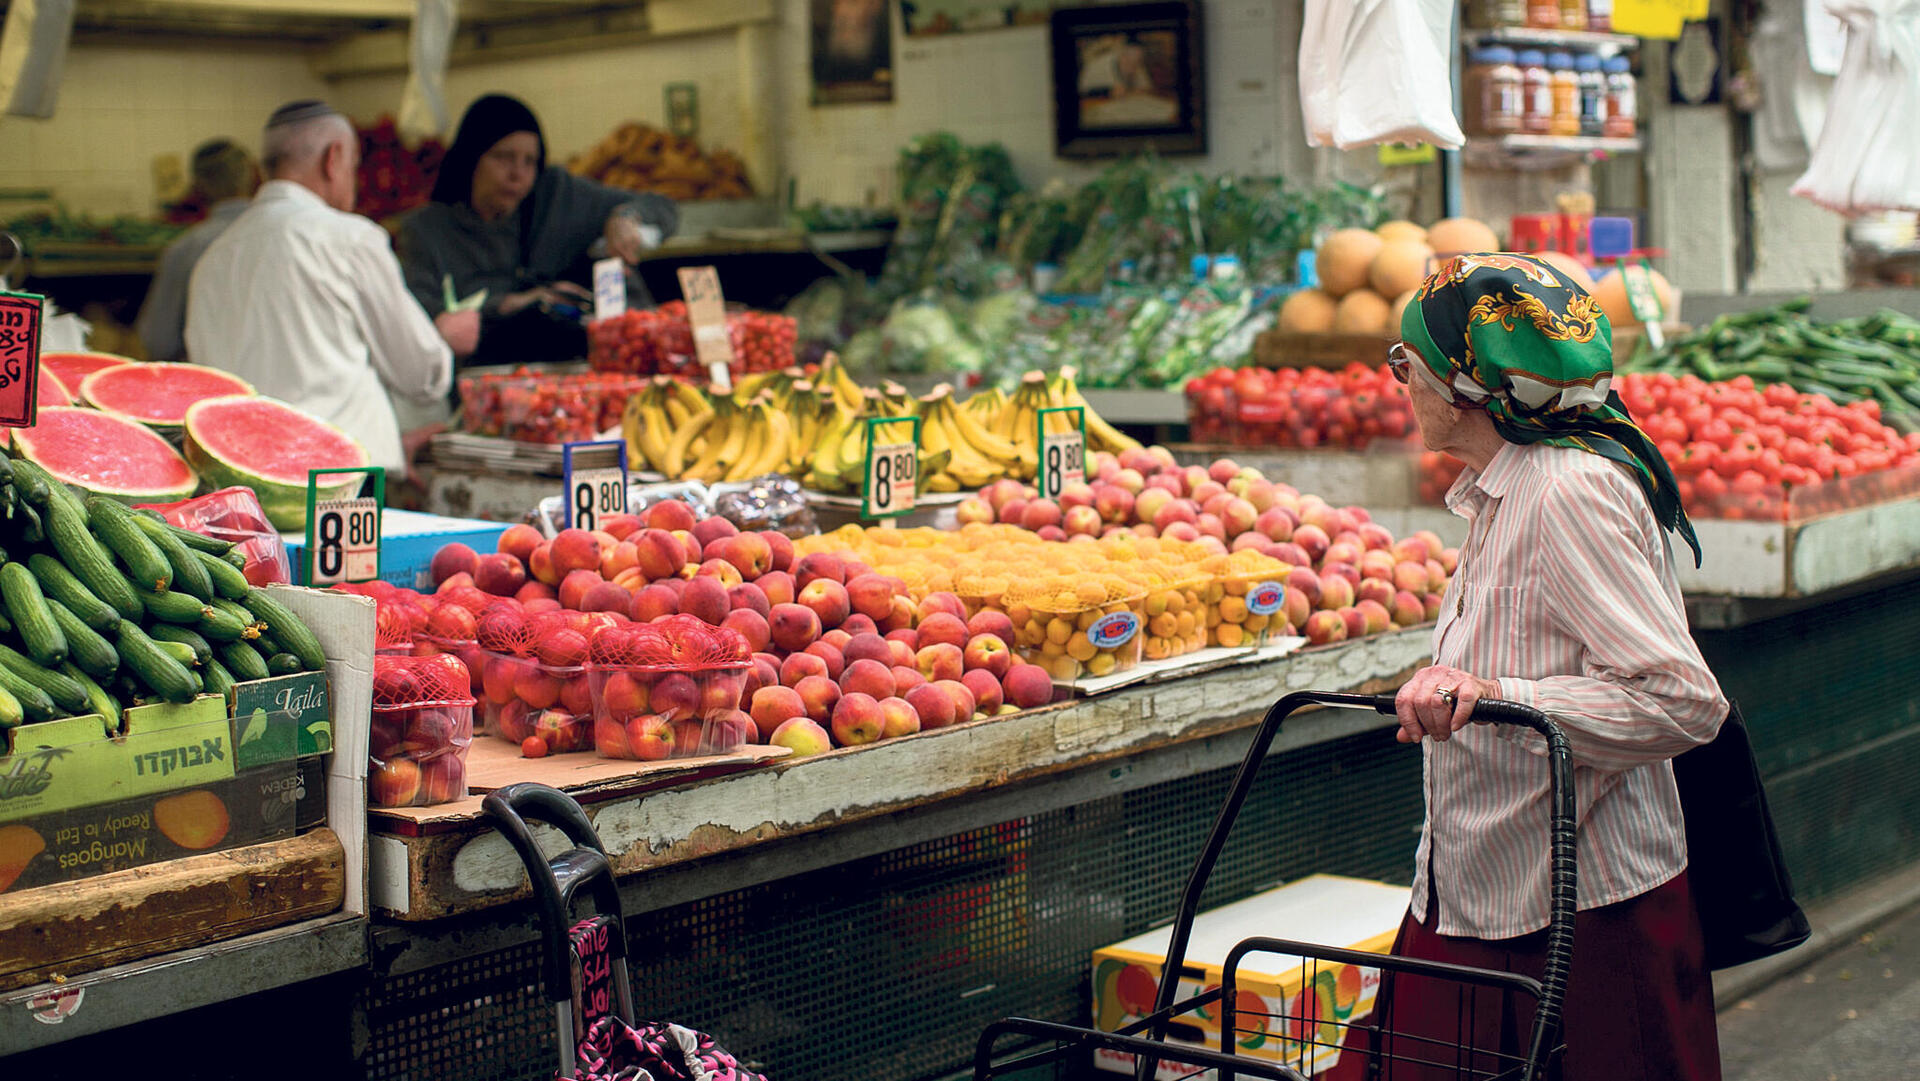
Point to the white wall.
(121, 106)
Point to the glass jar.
(1573, 14)
(1565, 95)
(1500, 110)
(1543, 14)
(1536, 93)
(1496, 14)
(1622, 94)
(1593, 94)
(1600, 16)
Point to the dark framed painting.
(1129, 78)
(852, 53)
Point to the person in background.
(225, 177)
(303, 298)
(517, 236)
(1565, 600)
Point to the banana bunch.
(655, 415)
(839, 460)
(1100, 435)
(680, 432)
(976, 454)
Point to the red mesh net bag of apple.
(669, 689)
(533, 677)
(422, 726)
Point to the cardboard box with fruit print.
(1284, 1005)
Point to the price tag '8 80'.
(893, 466)
(346, 541)
(595, 494)
(1063, 452)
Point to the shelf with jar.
(1535, 38)
(1531, 107)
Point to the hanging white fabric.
(1866, 157)
(423, 104)
(33, 56)
(1378, 71)
(1793, 96)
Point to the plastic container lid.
(1609, 237)
(1617, 65)
(1532, 58)
(1497, 54)
(1560, 60)
(1586, 62)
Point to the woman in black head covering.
(516, 237)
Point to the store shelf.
(1550, 39)
(1543, 151)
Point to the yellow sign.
(1402, 154)
(1656, 18)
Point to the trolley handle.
(556, 881)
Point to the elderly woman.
(505, 222)
(1565, 599)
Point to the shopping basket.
(585, 967)
(1305, 1039)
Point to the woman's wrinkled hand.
(1438, 701)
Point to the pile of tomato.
(1298, 407)
(1743, 451)
(660, 341)
(543, 407)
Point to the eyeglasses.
(1397, 361)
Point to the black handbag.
(1736, 872)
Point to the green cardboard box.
(65, 764)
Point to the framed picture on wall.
(852, 50)
(1128, 78)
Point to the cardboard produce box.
(1324, 909)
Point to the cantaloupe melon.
(1345, 259)
(1396, 311)
(1611, 292)
(1453, 236)
(1400, 229)
(1568, 265)
(1362, 311)
(1400, 266)
(1308, 311)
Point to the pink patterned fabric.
(652, 1051)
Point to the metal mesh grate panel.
(480, 1018)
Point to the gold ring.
(1446, 695)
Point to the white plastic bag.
(423, 104)
(1378, 71)
(1866, 157)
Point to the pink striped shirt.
(1565, 594)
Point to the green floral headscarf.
(1512, 335)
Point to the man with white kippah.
(304, 299)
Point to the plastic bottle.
(1593, 94)
(1573, 14)
(1600, 16)
(1536, 93)
(1543, 14)
(1565, 95)
(1500, 110)
(1622, 104)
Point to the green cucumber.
(189, 576)
(59, 584)
(114, 524)
(236, 559)
(292, 633)
(65, 693)
(222, 626)
(86, 648)
(89, 560)
(243, 661)
(34, 484)
(283, 664)
(249, 622)
(170, 607)
(268, 645)
(200, 542)
(228, 581)
(97, 697)
(32, 617)
(35, 704)
(156, 667)
(179, 651)
(12, 713)
(29, 526)
(174, 632)
(215, 679)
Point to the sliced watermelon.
(268, 445)
(49, 390)
(103, 453)
(73, 368)
(158, 394)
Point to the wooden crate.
(1290, 349)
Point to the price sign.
(1063, 450)
(19, 358)
(343, 535)
(707, 311)
(609, 288)
(893, 467)
(1642, 298)
(596, 481)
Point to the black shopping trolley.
(585, 966)
(1310, 1037)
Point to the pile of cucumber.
(1874, 356)
(103, 606)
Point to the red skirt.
(1639, 1003)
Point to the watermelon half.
(158, 395)
(268, 445)
(49, 390)
(73, 368)
(102, 453)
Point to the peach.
(691, 543)
(1335, 592)
(499, 574)
(749, 597)
(1411, 576)
(751, 626)
(533, 589)
(1412, 549)
(764, 673)
(618, 526)
(1407, 608)
(1139, 458)
(1051, 533)
(1324, 627)
(607, 597)
(902, 644)
(871, 595)
(936, 707)
(906, 679)
(990, 621)
(1011, 512)
(573, 588)
(1355, 620)
(814, 565)
(676, 696)
(1313, 540)
(799, 666)
(942, 603)
(1206, 491)
(534, 687)
(623, 696)
(1330, 569)
(1075, 494)
(942, 627)
(1376, 616)
(1131, 481)
(898, 718)
(828, 599)
(857, 719)
(705, 599)
(1378, 563)
(708, 530)
(1175, 510)
(1028, 686)
(1374, 535)
(1436, 575)
(778, 586)
(1255, 540)
(973, 510)
(1378, 590)
(749, 553)
(988, 653)
(859, 624)
(1113, 502)
(1040, 513)
(576, 696)
(904, 615)
(987, 691)
(941, 660)
(1290, 553)
(962, 697)
(1182, 531)
(669, 514)
(836, 661)
(650, 737)
(1081, 521)
(452, 559)
(1342, 551)
(519, 541)
(1207, 525)
(610, 738)
(838, 638)
(868, 677)
(658, 553)
(654, 601)
(794, 626)
(624, 557)
(1238, 516)
(575, 549)
(1149, 503)
(540, 565)
(395, 783)
(720, 570)
(802, 736)
(868, 647)
(1223, 469)
(542, 604)
(1431, 602)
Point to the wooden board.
(74, 927)
(493, 764)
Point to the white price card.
(707, 311)
(609, 288)
(346, 541)
(596, 481)
(1063, 453)
(893, 466)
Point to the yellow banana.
(646, 427)
(674, 464)
(724, 444)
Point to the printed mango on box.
(1284, 1005)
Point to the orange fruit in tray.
(195, 820)
(18, 846)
